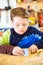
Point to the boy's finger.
(34, 50)
(20, 49)
(20, 52)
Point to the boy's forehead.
(19, 19)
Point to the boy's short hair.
(19, 11)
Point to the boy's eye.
(17, 25)
(21, 24)
(24, 24)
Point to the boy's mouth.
(21, 31)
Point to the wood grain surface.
(32, 59)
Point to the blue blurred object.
(27, 41)
(26, 52)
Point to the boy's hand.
(33, 49)
(17, 51)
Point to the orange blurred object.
(40, 16)
(1, 33)
(41, 20)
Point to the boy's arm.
(39, 43)
(6, 49)
(5, 46)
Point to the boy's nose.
(21, 27)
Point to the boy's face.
(20, 24)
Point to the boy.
(11, 39)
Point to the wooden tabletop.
(33, 59)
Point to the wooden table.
(34, 59)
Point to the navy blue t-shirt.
(31, 34)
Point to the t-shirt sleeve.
(5, 39)
(6, 49)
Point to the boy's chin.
(21, 33)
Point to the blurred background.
(33, 7)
